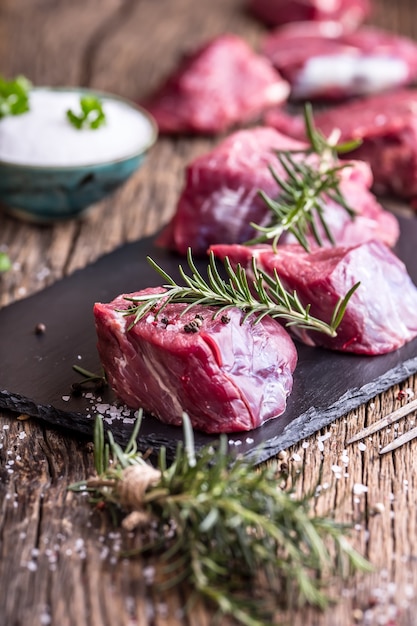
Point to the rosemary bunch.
(305, 188)
(265, 296)
(233, 532)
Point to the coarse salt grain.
(362, 446)
(324, 437)
(359, 489)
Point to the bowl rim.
(101, 94)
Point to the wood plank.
(59, 558)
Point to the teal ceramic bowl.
(50, 192)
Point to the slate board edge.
(312, 420)
(305, 425)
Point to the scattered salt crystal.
(45, 619)
(296, 457)
(149, 574)
(43, 273)
(305, 444)
(359, 489)
(6, 426)
(249, 440)
(32, 566)
(336, 469)
(79, 357)
(79, 544)
(104, 553)
(324, 437)
(66, 398)
(22, 435)
(320, 445)
(362, 446)
(162, 609)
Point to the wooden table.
(59, 558)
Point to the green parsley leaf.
(14, 96)
(92, 115)
(5, 263)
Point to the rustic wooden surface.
(59, 560)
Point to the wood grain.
(60, 560)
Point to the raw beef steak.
(227, 375)
(220, 198)
(221, 84)
(320, 61)
(382, 313)
(277, 12)
(387, 126)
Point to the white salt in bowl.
(49, 170)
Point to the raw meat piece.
(220, 197)
(227, 376)
(221, 84)
(381, 315)
(320, 61)
(386, 124)
(277, 12)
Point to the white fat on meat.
(368, 74)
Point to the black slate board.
(36, 370)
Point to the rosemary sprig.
(265, 296)
(306, 186)
(14, 96)
(91, 116)
(233, 533)
(98, 381)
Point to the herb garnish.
(14, 96)
(223, 526)
(265, 296)
(309, 182)
(5, 263)
(91, 116)
(98, 381)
